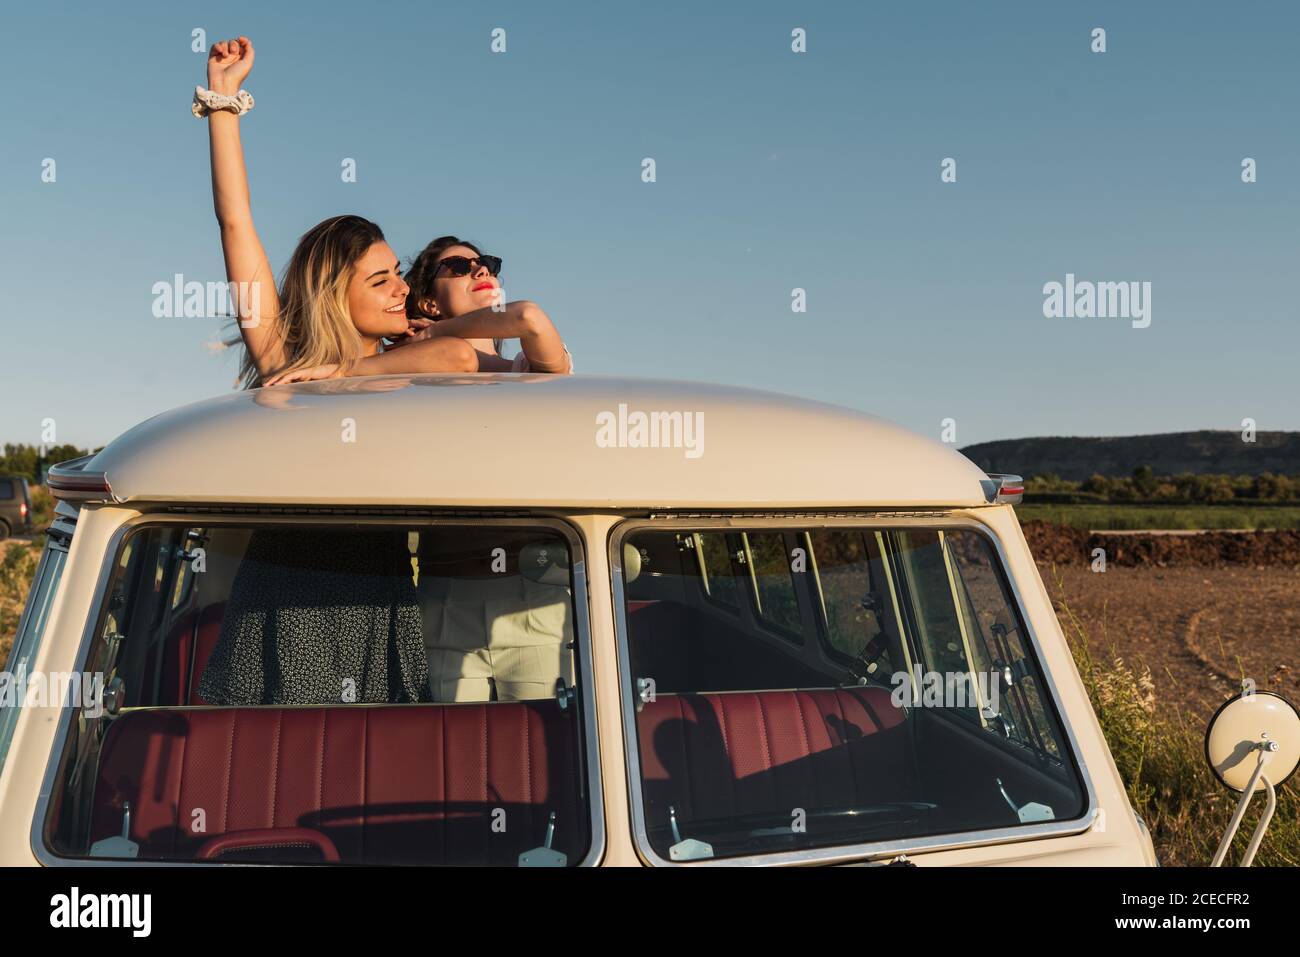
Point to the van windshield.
(332, 693)
(799, 688)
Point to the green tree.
(26, 460)
(1144, 481)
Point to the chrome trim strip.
(697, 545)
(59, 753)
(841, 853)
(899, 627)
(959, 611)
(753, 575)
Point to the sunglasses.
(463, 265)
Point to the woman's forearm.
(443, 354)
(229, 177)
(513, 322)
(522, 320)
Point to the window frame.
(890, 619)
(591, 784)
(707, 577)
(745, 611)
(1030, 749)
(1016, 698)
(917, 643)
(29, 636)
(878, 523)
(764, 618)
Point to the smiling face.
(457, 295)
(377, 293)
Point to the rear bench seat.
(719, 755)
(387, 784)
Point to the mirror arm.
(1266, 749)
(1258, 836)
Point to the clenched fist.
(229, 62)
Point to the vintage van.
(533, 620)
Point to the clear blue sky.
(775, 170)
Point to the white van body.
(593, 462)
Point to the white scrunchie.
(205, 102)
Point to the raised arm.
(229, 62)
(522, 320)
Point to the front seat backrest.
(317, 616)
(501, 638)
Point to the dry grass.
(18, 561)
(42, 507)
(17, 566)
(1159, 750)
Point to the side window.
(776, 602)
(739, 735)
(929, 601)
(854, 598)
(720, 577)
(31, 626)
(248, 647)
(6, 489)
(998, 646)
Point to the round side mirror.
(1241, 728)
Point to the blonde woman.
(342, 293)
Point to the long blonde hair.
(315, 326)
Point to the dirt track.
(1201, 610)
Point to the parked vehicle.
(15, 506)
(539, 620)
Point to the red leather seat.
(721, 755)
(415, 784)
(186, 654)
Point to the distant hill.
(1172, 453)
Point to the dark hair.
(419, 274)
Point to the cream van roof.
(529, 440)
